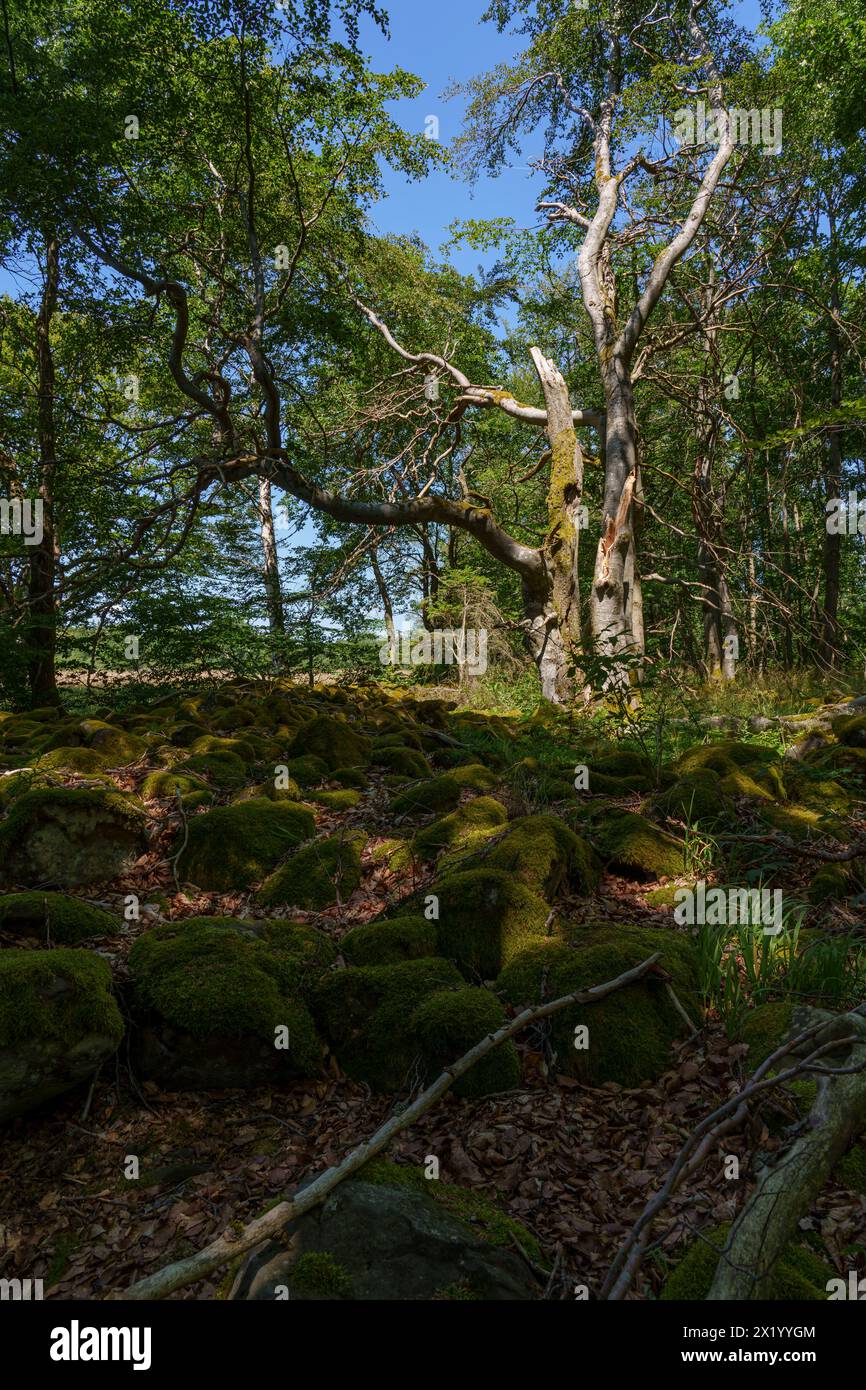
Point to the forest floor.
(574, 1163)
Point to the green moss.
(799, 1273)
(290, 792)
(694, 798)
(740, 782)
(486, 1221)
(317, 876)
(308, 770)
(722, 756)
(160, 785)
(382, 943)
(831, 881)
(632, 1030)
(56, 918)
(209, 977)
(764, 1029)
(15, 784)
(317, 1275)
(70, 835)
(474, 776)
(436, 794)
(235, 717)
(635, 845)
(405, 762)
(485, 918)
(542, 853)
(851, 1169)
(333, 740)
(80, 760)
(366, 1014)
(820, 793)
(193, 801)
(242, 748)
(226, 770)
(350, 777)
(395, 854)
(235, 846)
(467, 827)
(851, 730)
(60, 995)
(448, 1024)
(626, 767)
(799, 822)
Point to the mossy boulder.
(485, 917)
(626, 768)
(165, 783)
(475, 777)
(80, 760)
(449, 1023)
(236, 846)
(70, 836)
(332, 740)
(350, 777)
(765, 1028)
(698, 797)
(466, 828)
(542, 853)
(799, 822)
(220, 1003)
(317, 876)
(851, 730)
(434, 794)
(389, 941)
(631, 1031)
(720, 757)
(58, 1023)
(403, 762)
(308, 771)
(637, 847)
(242, 748)
(366, 1015)
(15, 784)
(380, 1241)
(55, 918)
(394, 853)
(282, 788)
(800, 1274)
(224, 769)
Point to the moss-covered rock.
(166, 782)
(317, 1276)
(435, 794)
(236, 846)
(466, 828)
(243, 748)
(350, 777)
(84, 761)
(800, 823)
(799, 1274)
(56, 919)
(332, 740)
(634, 845)
(366, 1014)
(58, 1022)
(321, 874)
(474, 777)
(67, 837)
(851, 730)
(625, 768)
(15, 784)
(394, 853)
(485, 917)
(695, 798)
(449, 1023)
(202, 985)
(308, 771)
(765, 1028)
(630, 1032)
(837, 881)
(542, 853)
(389, 941)
(224, 769)
(404, 762)
(720, 757)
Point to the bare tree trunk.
(829, 649)
(387, 606)
(271, 572)
(42, 596)
(612, 609)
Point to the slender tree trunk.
(42, 595)
(271, 572)
(387, 606)
(829, 648)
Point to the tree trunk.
(829, 650)
(271, 572)
(612, 603)
(387, 606)
(42, 596)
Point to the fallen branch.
(786, 1191)
(840, 856)
(229, 1245)
(725, 1118)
